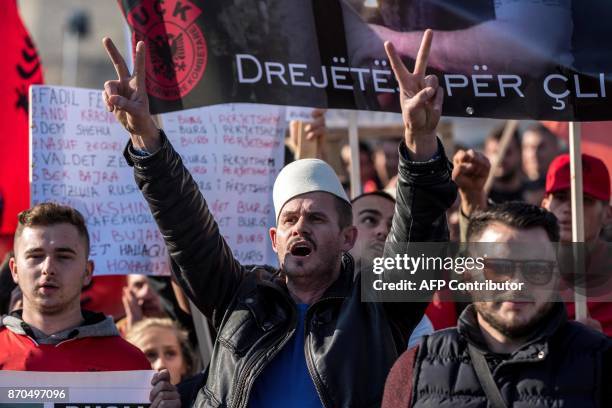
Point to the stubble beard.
(519, 331)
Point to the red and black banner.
(19, 69)
(541, 59)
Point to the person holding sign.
(299, 337)
(51, 332)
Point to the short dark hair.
(514, 214)
(542, 130)
(497, 133)
(45, 214)
(345, 212)
(365, 147)
(379, 193)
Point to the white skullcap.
(305, 176)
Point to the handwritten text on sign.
(233, 152)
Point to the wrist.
(472, 201)
(148, 139)
(421, 147)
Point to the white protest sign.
(233, 152)
(121, 389)
(298, 113)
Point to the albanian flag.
(19, 69)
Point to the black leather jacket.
(350, 345)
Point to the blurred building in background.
(49, 23)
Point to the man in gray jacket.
(300, 336)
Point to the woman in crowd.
(165, 345)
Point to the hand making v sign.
(127, 98)
(420, 99)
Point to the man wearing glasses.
(514, 348)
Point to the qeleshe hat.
(595, 176)
(305, 176)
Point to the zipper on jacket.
(242, 400)
(309, 363)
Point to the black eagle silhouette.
(168, 53)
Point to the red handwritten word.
(249, 119)
(250, 142)
(252, 222)
(252, 256)
(123, 266)
(246, 171)
(193, 140)
(252, 130)
(95, 115)
(252, 207)
(96, 177)
(198, 170)
(189, 120)
(140, 235)
(249, 238)
(94, 146)
(219, 206)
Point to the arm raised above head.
(202, 261)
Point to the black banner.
(540, 59)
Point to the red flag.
(19, 69)
(596, 138)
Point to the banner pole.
(200, 323)
(577, 214)
(504, 142)
(202, 330)
(353, 133)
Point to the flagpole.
(354, 145)
(577, 217)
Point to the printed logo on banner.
(177, 52)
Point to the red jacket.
(94, 346)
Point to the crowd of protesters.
(300, 335)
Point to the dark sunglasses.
(537, 272)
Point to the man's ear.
(13, 268)
(546, 202)
(349, 236)
(89, 270)
(272, 232)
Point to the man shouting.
(300, 337)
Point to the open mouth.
(301, 249)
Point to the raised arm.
(202, 261)
(425, 189)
